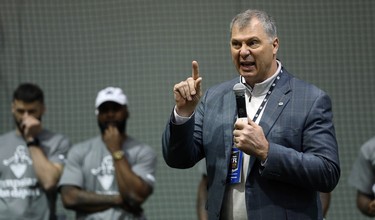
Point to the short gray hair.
(243, 19)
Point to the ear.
(275, 44)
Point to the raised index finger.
(195, 70)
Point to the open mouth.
(247, 64)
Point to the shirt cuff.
(179, 120)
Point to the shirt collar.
(262, 87)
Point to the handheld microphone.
(236, 154)
(239, 91)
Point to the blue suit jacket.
(302, 159)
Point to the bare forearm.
(133, 189)
(366, 204)
(91, 202)
(47, 173)
(81, 200)
(201, 208)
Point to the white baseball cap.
(111, 94)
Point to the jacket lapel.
(276, 103)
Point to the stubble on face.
(22, 110)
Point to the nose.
(244, 51)
(25, 114)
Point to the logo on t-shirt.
(24, 184)
(19, 161)
(105, 172)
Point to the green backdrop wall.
(74, 48)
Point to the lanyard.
(266, 98)
(235, 170)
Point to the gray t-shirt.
(21, 196)
(90, 166)
(362, 176)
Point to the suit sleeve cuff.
(179, 120)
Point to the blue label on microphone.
(235, 168)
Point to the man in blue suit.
(288, 144)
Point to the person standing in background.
(362, 178)
(32, 160)
(111, 175)
(272, 164)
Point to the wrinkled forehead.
(252, 30)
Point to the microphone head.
(239, 89)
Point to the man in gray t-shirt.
(31, 160)
(362, 178)
(109, 176)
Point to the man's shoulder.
(8, 134)
(48, 135)
(88, 142)
(222, 88)
(133, 144)
(226, 85)
(9, 137)
(298, 83)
